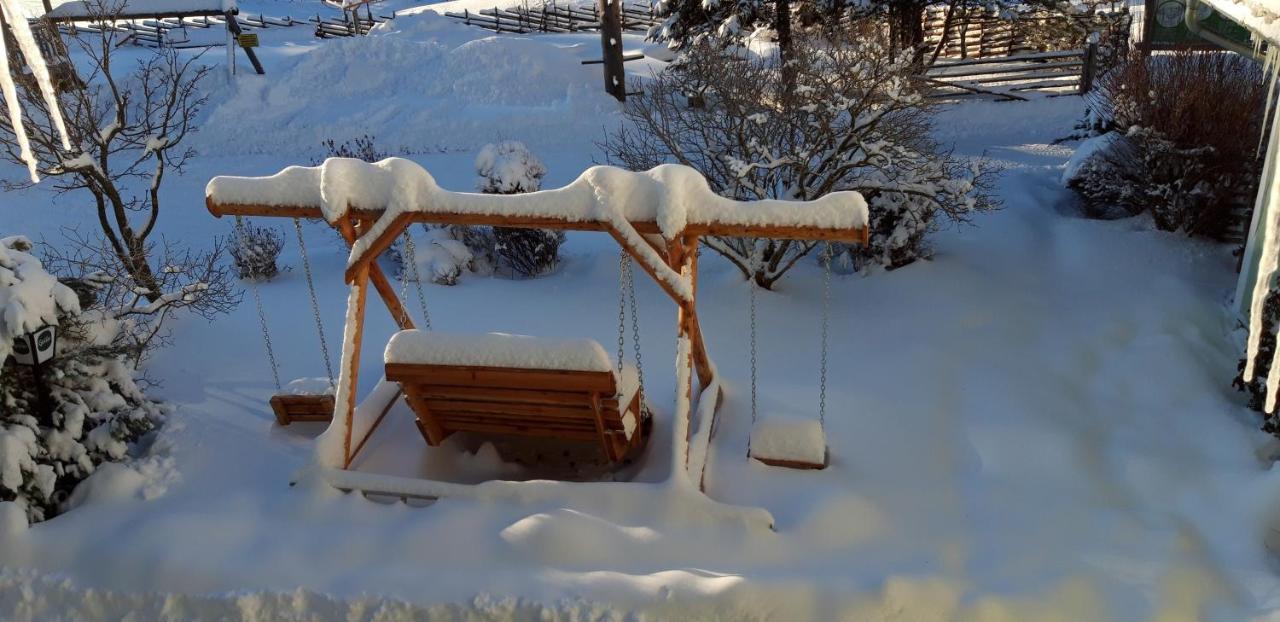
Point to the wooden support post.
(1090, 69)
(615, 79)
(386, 291)
(352, 371)
(233, 35)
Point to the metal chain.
(410, 255)
(752, 287)
(635, 323)
(622, 308)
(826, 320)
(262, 316)
(315, 304)
(627, 297)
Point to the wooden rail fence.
(551, 17)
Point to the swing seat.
(790, 442)
(512, 385)
(304, 399)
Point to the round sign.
(44, 340)
(20, 346)
(1170, 13)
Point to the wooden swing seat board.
(516, 386)
(789, 441)
(290, 407)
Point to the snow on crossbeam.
(668, 199)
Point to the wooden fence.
(1067, 72)
(554, 18)
(173, 31)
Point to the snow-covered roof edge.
(1260, 16)
(126, 9)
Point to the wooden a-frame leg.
(351, 374)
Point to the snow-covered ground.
(1036, 424)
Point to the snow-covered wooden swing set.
(545, 388)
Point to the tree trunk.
(907, 19)
(782, 24)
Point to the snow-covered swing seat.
(500, 384)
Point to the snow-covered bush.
(847, 115)
(255, 251)
(510, 168)
(98, 408)
(441, 258)
(1184, 132)
(364, 148)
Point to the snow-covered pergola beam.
(669, 200)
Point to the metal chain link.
(315, 304)
(262, 316)
(826, 320)
(410, 255)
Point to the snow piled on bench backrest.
(496, 350)
(670, 194)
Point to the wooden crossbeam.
(857, 235)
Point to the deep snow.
(1035, 424)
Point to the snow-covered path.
(1037, 424)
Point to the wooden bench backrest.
(549, 403)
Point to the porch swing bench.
(512, 385)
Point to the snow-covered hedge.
(98, 407)
(1180, 142)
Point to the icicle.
(1273, 56)
(39, 69)
(1269, 201)
(10, 92)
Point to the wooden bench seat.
(524, 397)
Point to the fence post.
(1090, 69)
(615, 79)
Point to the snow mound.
(789, 438)
(419, 84)
(568, 537)
(145, 479)
(496, 350)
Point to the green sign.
(1167, 26)
(248, 40)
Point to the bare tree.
(127, 130)
(125, 321)
(845, 116)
